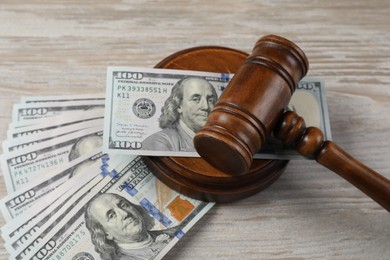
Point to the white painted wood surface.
(59, 47)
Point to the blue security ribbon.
(179, 233)
(114, 174)
(225, 76)
(105, 158)
(157, 214)
(129, 188)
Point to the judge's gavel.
(252, 106)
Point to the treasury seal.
(144, 108)
(83, 256)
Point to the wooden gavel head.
(251, 105)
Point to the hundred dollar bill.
(157, 112)
(44, 207)
(18, 143)
(19, 166)
(16, 203)
(32, 111)
(129, 215)
(25, 225)
(24, 128)
(42, 223)
(62, 98)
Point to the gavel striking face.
(252, 106)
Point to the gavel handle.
(309, 142)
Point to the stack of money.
(67, 199)
(78, 192)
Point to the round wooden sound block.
(194, 177)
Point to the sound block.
(194, 177)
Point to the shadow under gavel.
(252, 106)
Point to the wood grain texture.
(59, 47)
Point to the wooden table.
(59, 47)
